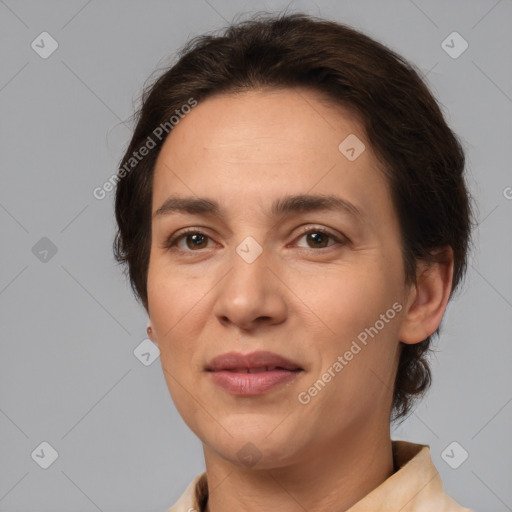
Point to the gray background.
(68, 373)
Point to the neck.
(334, 478)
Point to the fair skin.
(306, 298)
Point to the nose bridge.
(248, 277)
(248, 292)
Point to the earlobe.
(149, 330)
(428, 298)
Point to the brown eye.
(319, 239)
(193, 240)
(197, 241)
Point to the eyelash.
(174, 239)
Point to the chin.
(257, 455)
(254, 443)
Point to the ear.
(150, 332)
(428, 298)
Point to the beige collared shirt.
(415, 487)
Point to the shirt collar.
(415, 487)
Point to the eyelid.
(172, 240)
(339, 238)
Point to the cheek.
(170, 310)
(170, 305)
(178, 308)
(354, 306)
(347, 299)
(172, 296)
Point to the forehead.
(283, 120)
(262, 143)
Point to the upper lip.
(262, 359)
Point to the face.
(304, 293)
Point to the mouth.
(252, 374)
(260, 369)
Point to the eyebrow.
(280, 208)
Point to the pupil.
(197, 240)
(317, 238)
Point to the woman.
(295, 241)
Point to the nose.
(250, 295)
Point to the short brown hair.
(423, 159)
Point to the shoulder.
(193, 496)
(416, 486)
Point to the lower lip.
(251, 384)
